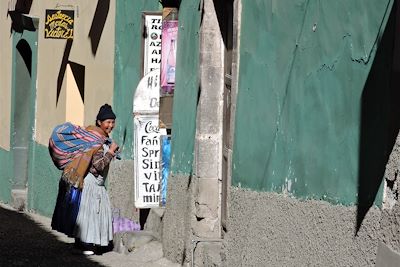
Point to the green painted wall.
(127, 65)
(304, 124)
(42, 181)
(43, 176)
(23, 103)
(26, 116)
(187, 86)
(6, 175)
(128, 69)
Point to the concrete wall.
(121, 188)
(5, 75)
(209, 130)
(178, 219)
(5, 102)
(269, 229)
(99, 68)
(391, 207)
(187, 229)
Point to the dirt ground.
(26, 239)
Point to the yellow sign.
(59, 24)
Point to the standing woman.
(93, 229)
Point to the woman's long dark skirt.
(66, 209)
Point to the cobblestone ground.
(26, 239)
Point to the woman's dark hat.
(105, 113)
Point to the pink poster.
(168, 55)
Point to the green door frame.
(30, 40)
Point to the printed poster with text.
(168, 55)
(152, 43)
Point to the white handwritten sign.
(152, 42)
(147, 141)
(147, 161)
(147, 95)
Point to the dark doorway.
(224, 10)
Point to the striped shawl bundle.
(71, 148)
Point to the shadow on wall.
(21, 7)
(380, 121)
(98, 22)
(26, 243)
(170, 3)
(224, 11)
(78, 71)
(63, 67)
(26, 53)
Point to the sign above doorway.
(59, 24)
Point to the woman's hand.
(113, 148)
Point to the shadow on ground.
(24, 242)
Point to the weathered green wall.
(304, 67)
(6, 175)
(187, 87)
(42, 181)
(127, 76)
(127, 65)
